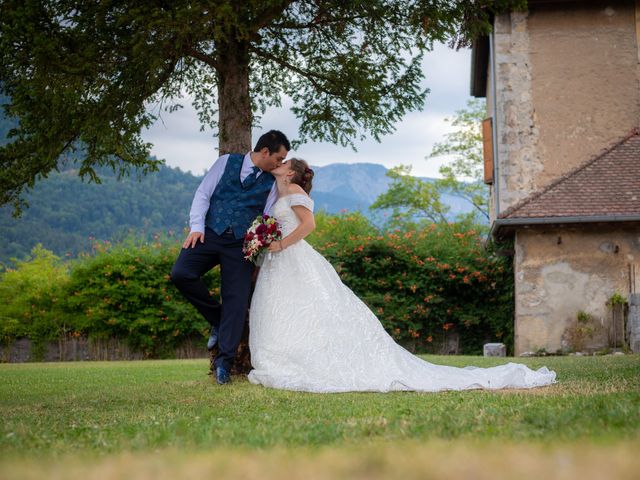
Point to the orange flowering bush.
(424, 283)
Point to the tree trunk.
(234, 102)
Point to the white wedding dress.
(310, 332)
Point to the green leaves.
(463, 176)
(124, 292)
(121, 292)
(29, 297)
(78, 77)
(412, 198)
(353, 68)
(84, 78)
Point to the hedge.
(423, 283)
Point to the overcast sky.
(178, 140)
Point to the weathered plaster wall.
(568, 85)
(584, 78)
(491, 114)
(553, 281)
(517, 132)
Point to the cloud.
(179, 141)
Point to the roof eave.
(503, 227)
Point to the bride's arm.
(307, 225)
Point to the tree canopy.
(464, 175)
(85, 78)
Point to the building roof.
(607, 185)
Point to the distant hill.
(65, 212)
(356, 186)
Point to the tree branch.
(481, 210)
(318, 23)
(192, 52)
(265, 17)
(311, 76)
(469, 198)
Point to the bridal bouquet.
(261, 233)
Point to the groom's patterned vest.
(234, 206)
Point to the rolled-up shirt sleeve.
(202, 197)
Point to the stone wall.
(517, 131)
(561, 271)
(81, 348)
(585, 79)
(568, 86)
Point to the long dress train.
(310, 332)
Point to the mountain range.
(66, 214)
(356, 186)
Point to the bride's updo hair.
(302, 175)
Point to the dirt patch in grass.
(406, 460)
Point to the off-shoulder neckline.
(291, 194)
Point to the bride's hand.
(276, 246)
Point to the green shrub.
(30, 295)
(338, 230)
(124, 291)
(423, 284)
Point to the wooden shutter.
(487, 149)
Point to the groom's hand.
(192, 239)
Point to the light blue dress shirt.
(202, 197)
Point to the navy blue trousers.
(235, 287)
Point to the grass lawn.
(168, 419)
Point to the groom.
(234, 191)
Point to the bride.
(310, 332)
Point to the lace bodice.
(285, 215)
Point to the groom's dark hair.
(273, 140)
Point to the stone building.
(562, 158)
